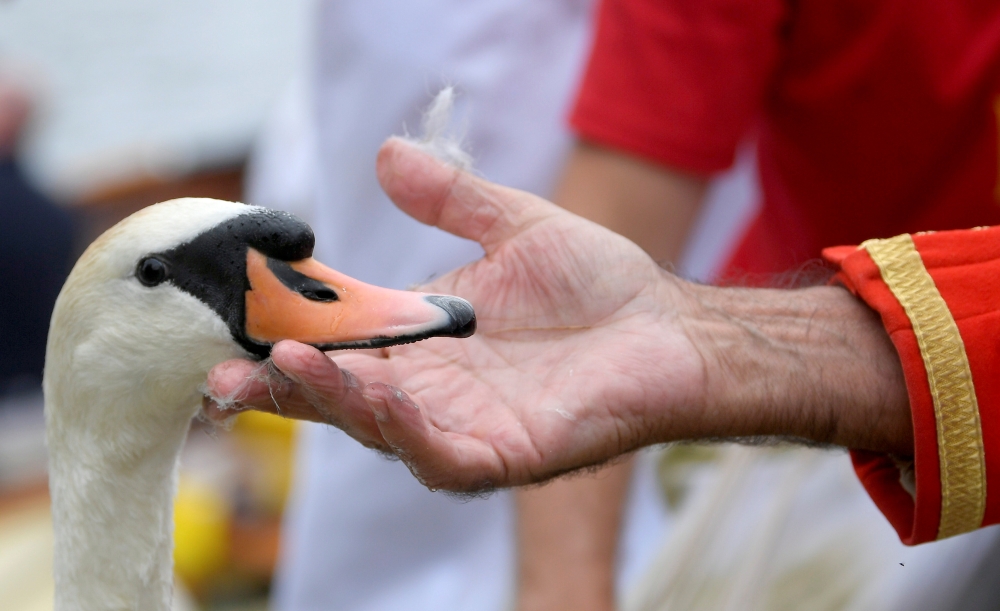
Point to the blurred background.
(106, 107)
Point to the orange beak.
(311, 303)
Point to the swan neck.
(113, 518)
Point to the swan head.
(180, 286)
(150, 307)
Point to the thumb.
(441, 195)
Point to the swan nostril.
(310, 288)
(318, 294)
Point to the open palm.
(580, 353)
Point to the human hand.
(585, 350)
(577, 343)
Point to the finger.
(238, 385)
(303, 384)
(436, 458)
(235, 381)
(332, 392)
(438, 194)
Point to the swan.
(149, 308)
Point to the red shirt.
(873, 118)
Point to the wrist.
(811, 363)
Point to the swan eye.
(151, 271)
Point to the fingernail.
(402, 398)
(350, 380)
(379, 408)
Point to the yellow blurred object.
(259, 422)
(267, 442)
(230, 497)
(201, 532)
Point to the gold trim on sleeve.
(956, 409)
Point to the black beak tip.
(460, 314)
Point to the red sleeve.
(676, 81)
(939, 298)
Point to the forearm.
(812, 363)
(588, 350)
(567, 539)
(652, 205)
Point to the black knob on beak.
(460, 313)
